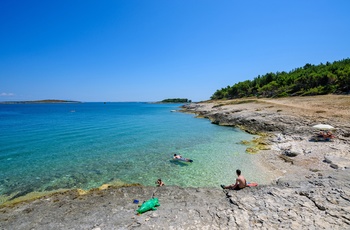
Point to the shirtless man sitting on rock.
(240, 182)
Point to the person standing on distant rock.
(241, 182)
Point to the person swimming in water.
(179, 157)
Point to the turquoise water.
(44, 147)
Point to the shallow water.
(45, 147)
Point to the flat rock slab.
(337, 162)
(114, 208)
(320, 201)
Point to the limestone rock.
(337, 162)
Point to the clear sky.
(149, 50)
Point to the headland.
(311, 189)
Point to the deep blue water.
(44, 147)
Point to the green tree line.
(329, 78)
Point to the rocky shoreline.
(311, 190)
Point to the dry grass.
(327, 105)
(235, 102)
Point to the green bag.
(148, 205)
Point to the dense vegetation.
(176, 100)
(329, 78)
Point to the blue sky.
(138, 50)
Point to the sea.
(46, 147)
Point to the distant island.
(176, 100)
(39, 102)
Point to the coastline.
(285, 126)
(304, 184)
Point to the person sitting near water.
(179, 157)
(160, 183)
(241, 182)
